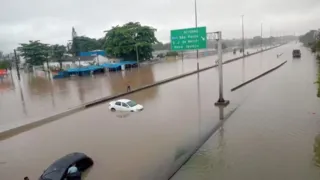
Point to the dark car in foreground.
(296, 53)
(58, 170)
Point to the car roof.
(57, 169)
(123, 100)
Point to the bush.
(172, 53)
(4, 64)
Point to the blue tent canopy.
(84, 69)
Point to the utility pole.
(242, 37)
(221, 101)
(137, 53)
(261, 36)
(17, 64)
(196, 23)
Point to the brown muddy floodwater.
(36, 96)
(177, 118)
(274, 134)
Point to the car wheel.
(113, 109)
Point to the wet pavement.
(37, 96)
(274, 134)
(177, 118)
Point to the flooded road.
(274, 134)
(38, 97)
(178, 116)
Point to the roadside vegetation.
(5, 64)
(127, 41)
(312, 40)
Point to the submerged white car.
(125, 105)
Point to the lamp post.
(196, 24)
(261, 36)
(242, 36)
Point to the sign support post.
(221, 101)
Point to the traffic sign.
(189, 39)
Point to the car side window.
(125, 105)
(118, 103)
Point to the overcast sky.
(51, 20)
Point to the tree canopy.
(85, 44)
(308, 38)
(123, 41)
(34, 52)
(58, 52)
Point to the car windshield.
(296, 51)
(132, 103)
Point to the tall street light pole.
(242, 36)
(196, 23)
(261, 36)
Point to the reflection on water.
(316, 150)
(6, 84)
(135, 78)
(39, 85)
(23, 101)
(123, 114)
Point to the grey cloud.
(51, 21)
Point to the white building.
(74, 62)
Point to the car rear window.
(132, 103)
(296, 51)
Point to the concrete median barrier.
(255, 78)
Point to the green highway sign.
(189, 39)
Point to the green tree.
(316, 150)
(124, 41)
(309, 38)
(35, 52)
(85, 44)
(58, 52)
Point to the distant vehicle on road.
(125, 105)
(296, 53)
(58, 170)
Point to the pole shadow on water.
(183, 155)
(24, 109)
(243, 69)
